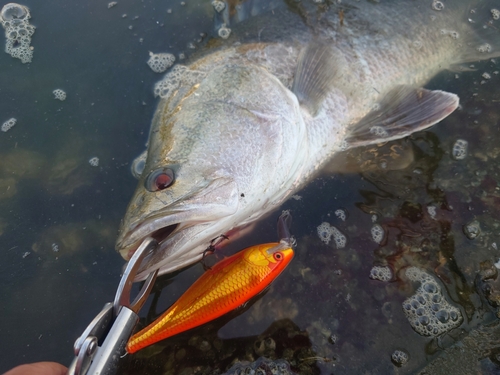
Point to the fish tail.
(481, 36)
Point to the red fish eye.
(159, 179)
(278, 256)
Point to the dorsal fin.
(404, 110)
(317, 69)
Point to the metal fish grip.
(102, 344)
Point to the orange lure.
(228, 285)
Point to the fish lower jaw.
(159, 235)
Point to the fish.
(253, 118)
(226, 286)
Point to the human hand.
(39, 368)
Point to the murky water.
(59, 215)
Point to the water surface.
(59, 215)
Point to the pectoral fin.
(317, 69)
(403, 111)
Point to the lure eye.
(278, 256)
(159, 179)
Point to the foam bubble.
(327, 231)
(341, 214)
(13, 11)
(59, 94)
(379, 131)
(459, 151)
(179, 75)
(94, 161)
(339, 238)
(219, 6)
(428, 311)
(7, 125)
(495, 13)
(18, 31)
(224, 32)
(484, 48)
(378, 233)
(437, 5)
(159, 62)
(112, 4)
(382, 273)
(400, 358)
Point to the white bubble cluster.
(219, 6)
(428, 312)
(459, 151)
(486, 75)
(159, 62)
(451, 33)
(112, 4)
(379, 131)
(171, 82)
(341, 214)
(179, 75)
(399, 357)
(327, 231)
(495, 13)
(7, 125)
(382, 273)
(94, 161)
(437, 5)
(59, 94)
(324, 232)
(378, 233)
(484, 48)
(224, 32)
(18, 31)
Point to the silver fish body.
(242, 128)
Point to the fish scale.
(223, 288)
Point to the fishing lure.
(226, 286)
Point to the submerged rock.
(464, 357)
(261, 366)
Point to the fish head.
(220, 155)
(276, 256)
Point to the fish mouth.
(180, 243)
(183, 228)
(159, 235)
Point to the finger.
(39, 368)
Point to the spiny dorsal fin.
(404, 110)
(315, 75)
